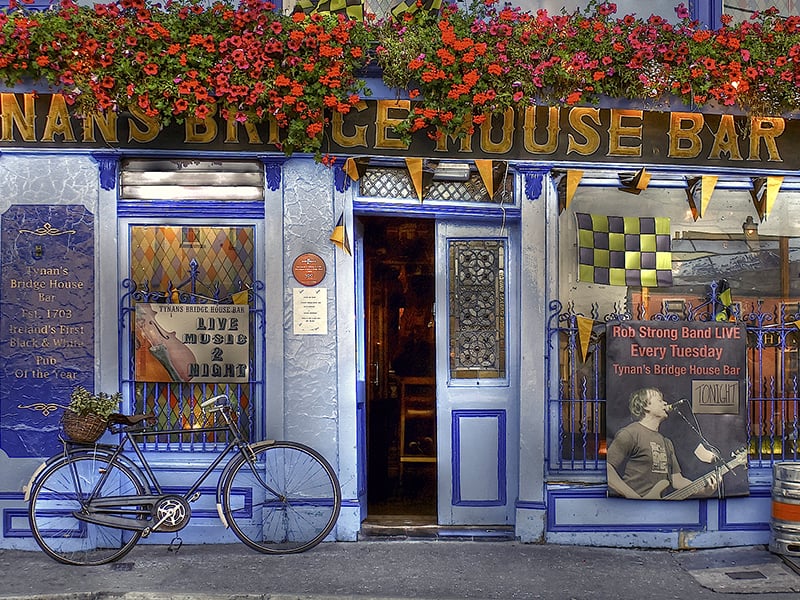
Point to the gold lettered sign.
(539, 132)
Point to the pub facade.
(432, 317)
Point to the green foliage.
(83, 402)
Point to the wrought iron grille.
(577, 398)
(176, 404)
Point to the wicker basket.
(85, 429)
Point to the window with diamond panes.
(477, 309)
(395, 182)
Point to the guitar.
(739, 458)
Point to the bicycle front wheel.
(283, 498)
(58, 495)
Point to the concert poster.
(676, 410)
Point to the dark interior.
(401, 420)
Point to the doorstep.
(404, 529)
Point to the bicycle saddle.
(120, 419)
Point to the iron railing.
(577, 398)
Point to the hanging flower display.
(185, 60)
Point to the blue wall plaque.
(46, 321)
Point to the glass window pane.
(742, 10)
(477, 309)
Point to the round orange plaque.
(308, 269)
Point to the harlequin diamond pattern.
(161, 255)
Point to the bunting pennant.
(691, 196)
(708, 183)
(353, 9)
(484, 167)
(411, 6)
(585, 326)
(634, 184)
(566, 186)
(698, 192)
(340, 237)
(414, 166)
(355, 168)
(765, 191)
(241, 297)
(624, 250)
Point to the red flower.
(180, 106)
(202, 111)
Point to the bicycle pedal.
(175, 544)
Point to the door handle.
(376, 382)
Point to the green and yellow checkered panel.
(354, 9)
(411, 6)
(624, 250)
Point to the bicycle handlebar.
(215, 403)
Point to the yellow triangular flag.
(414, 166)
(240, 297)
(355, 168)
(764, 192)
(634, 184)
(573, 180)
(725, 298)
(351, 169)
(773, 187)
(339, 236)
(708, 183)
(691, 190)
(797, 324)
(487, 175)
(585, 326)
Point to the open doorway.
(399, 288)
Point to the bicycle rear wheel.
(283, 499)
(57, 495)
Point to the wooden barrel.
(785, 523)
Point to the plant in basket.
(86, 417)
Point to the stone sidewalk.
(408, 569)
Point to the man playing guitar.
(642, 462)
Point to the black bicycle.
(90, 504)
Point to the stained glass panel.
(191, 264)
(477, 309)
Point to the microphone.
(674, 406)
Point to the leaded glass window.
(477, 309)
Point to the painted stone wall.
(48, 207)
(310, 369)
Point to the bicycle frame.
(107, 510)
(289, 497)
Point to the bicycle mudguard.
(223, 477)
(27, 487)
